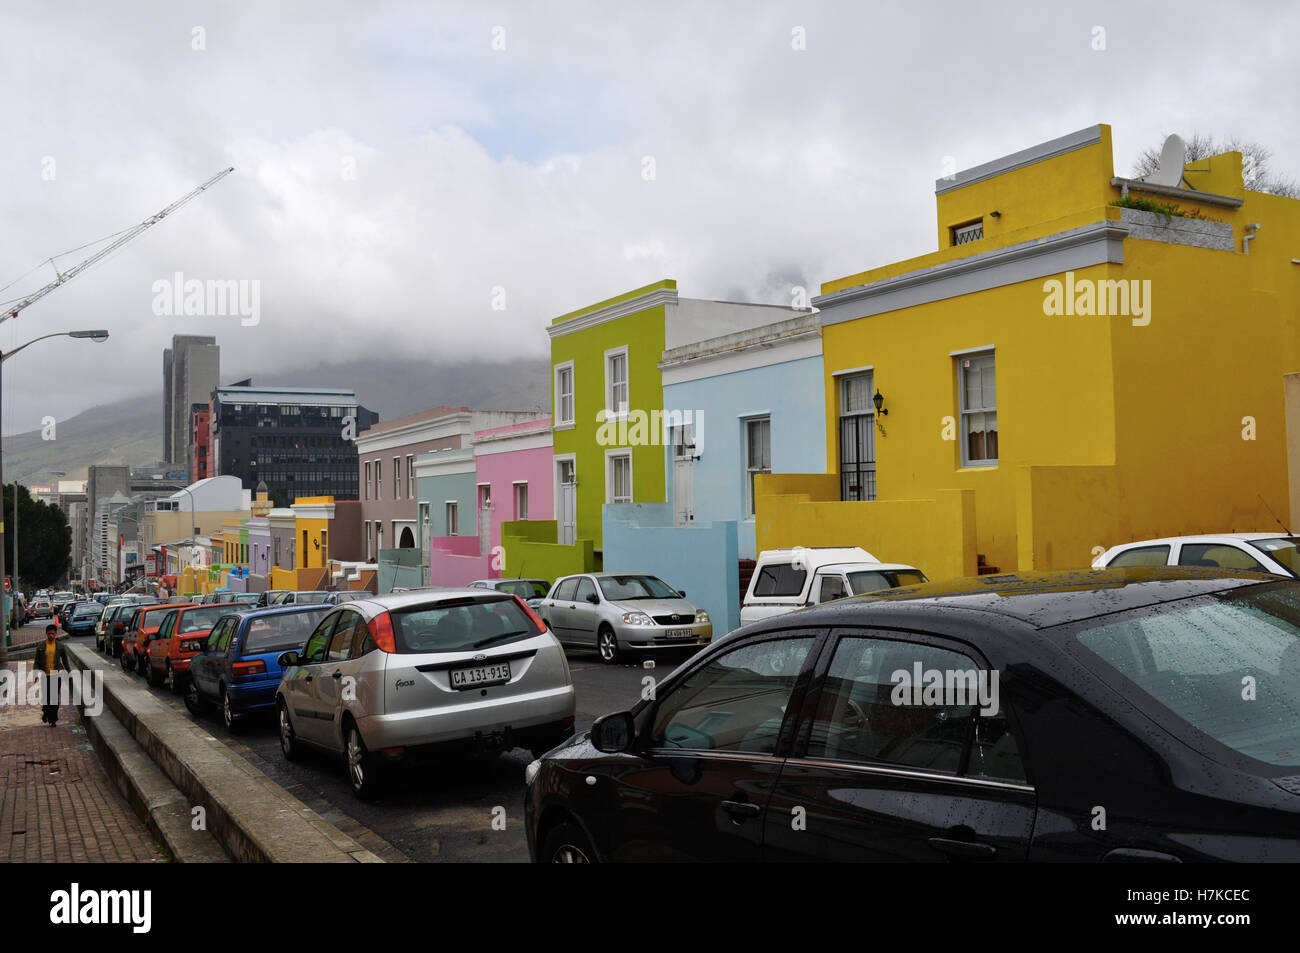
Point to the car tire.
(154, 677)
(194, 701)
(234, 721)
(141, 664)
(363, 770)
(289, 745)
(607, 645)
(175, 685)
(126, 665)
(567, 844)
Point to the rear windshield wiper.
(494, 638)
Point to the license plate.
(680, 634)
(480, 675)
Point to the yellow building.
(312, 516)
(1082, 363)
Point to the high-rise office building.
(191, 369)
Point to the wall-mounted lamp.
(995, 213)
(317, 543)
(879, 401)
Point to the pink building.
(513, 481)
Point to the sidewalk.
(56, 803)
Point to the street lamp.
(97, 336)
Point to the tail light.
(251, 667)
(381, 633)
(528, 610)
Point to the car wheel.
(173, 683)
(362, 770)
(234, 721)
(288, 740)
(141, 664)
(194, 701)
(607, 645)
(567, 844)
(126, 664)
(154, 676)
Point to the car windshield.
(873, 580)
(310, 598)
(279, 633)
(1227, 665)
(524, 588)
(247, 597)
(1282, 549)
(780, 579)
(623, 588)
(196, 620)
(461, 624)
(87, 608)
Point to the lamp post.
(4, 623)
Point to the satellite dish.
(1173, 156)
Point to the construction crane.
(121, 239)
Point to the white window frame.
(451, 512)
(560, 419)
(379, 478)
(397, 478)
(613, 411)
(964, 412)
(557, 505)
(410, 476)
(610, 456)
(367, 525)
(750, 470)
(367, 484)
(521, 485)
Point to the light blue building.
(446, 491)
(734, 406)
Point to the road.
(439, 813)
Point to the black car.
(1112, 715)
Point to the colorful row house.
(1086, 360)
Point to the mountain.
(130, 430)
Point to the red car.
(179, 638)
(143, 625)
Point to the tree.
(1257, 175)
(44, 539)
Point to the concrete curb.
(251, 816)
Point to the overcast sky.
(522, 168)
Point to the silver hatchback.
(401, 677)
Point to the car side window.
(736, 702)
(564, 592)
(1142, 556)
(1217, 554)
(910, 704)
(213, 637)
(832, 587)
(318, 643)
(340, 644)
(586, 589)
(227, 630)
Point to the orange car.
(179, 638)
(143, 626)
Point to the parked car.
(532, 591)
(306, 597)
(1256, 552)
(1119, 689)
(83, 617)
(238, 667)
(142, 627)
(271, 596)
(789, 579)
(180, 636)
(105, 622)
(248, 599)
(430, 673)
(619, 613)
(117, 624)
(347, 595)
(41, 608)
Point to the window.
(564, 413)
(1217, 554)
(618, 488)
(367, 479)
(318, 643)
(397, 478)
(780, 579)
(735, 703)
(1142, 556)
(586, 589)
(453, 518)
(485, 496)
(410, 476)
(967, 232)
(616, 385)
(979, 409)
(870, 711)
(857, 438)
(758, 455)
(831, 587)
(340, 645)
(379, 479)
(521, 501)
(367, 532)
(566, 590)
(379, 536)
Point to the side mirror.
(613, 733)
(681, 593)
(288, 659)
(593, 599)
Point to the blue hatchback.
(239, 666)
(83, 617)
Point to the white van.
(789, 579)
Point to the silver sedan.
(617, 613)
